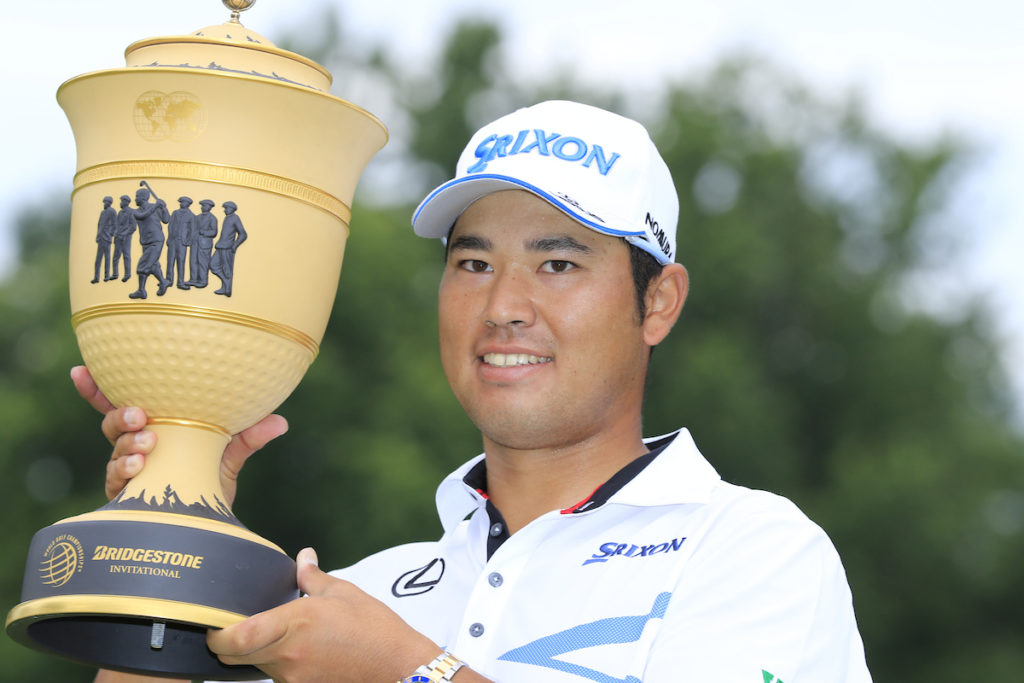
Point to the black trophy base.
(137, 591)
(126, 644)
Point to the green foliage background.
(800, 364)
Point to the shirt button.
(496, 579)
(476, 630)
(497, 528)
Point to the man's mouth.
(510, 360)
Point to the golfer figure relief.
(193, 247)
(179, 236)
(150, 216)
(123, 232)
(231, 237)
(202, 247)
(104, 236)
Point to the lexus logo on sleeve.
(419, 581)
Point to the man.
(232, 234)
(206, 230)
(150, 216)
(574, 550)
(180, 233)
(104, 234)
(123, 238)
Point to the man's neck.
(525, 484)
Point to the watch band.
(440, 670)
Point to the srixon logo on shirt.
(612, 549)
(537, 141)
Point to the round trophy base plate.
(127, 644)
(136, 591)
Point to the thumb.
(311, 580)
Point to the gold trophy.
(210, 210)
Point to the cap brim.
(437, 213)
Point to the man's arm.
(335, 627)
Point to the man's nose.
(510, 300)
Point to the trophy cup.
(210, 210)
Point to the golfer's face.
(540, 339)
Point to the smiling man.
(574, 549)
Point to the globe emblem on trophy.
(60, 562)
(177, 116)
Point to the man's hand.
(125, 429)
(336, 633)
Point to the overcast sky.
(923, 67)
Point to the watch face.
(417, 678)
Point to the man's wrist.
(440, 670)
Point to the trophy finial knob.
(237, 7)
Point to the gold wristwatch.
(440, 670)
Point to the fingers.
(311, 580)
(335, 628)
(121, 421)
(246, 638)
(123, 427)
(87, 389)
(307, 556)
(127, 460)
(119, 472)
(238, 643)
(261, 640)
(243, 445)
(248, 441)
(116, 421)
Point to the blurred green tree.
(803, 363)
(805, 366)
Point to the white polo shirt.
(665, 574)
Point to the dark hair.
(645, 269)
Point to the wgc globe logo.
(63, 558)
(177, 116)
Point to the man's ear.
(665, 298)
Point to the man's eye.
(556, 266)
(475, 265)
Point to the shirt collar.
(678, 474)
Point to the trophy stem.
(182, 473)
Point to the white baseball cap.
(599, 168)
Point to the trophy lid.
(229, 48)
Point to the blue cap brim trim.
(558, 203)
(440, 224)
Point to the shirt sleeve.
(764, 599)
